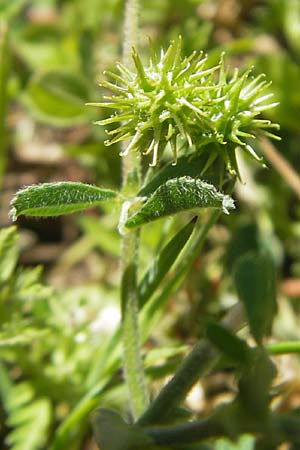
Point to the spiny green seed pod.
(184, 100)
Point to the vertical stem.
(131, 27)
(130, 163)
(130, 327)
(4, 70)
(133, 365)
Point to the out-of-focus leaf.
(254, 278)
(180, 194)
(283, 72)
(255, 382)
(10, 9)
(8, 253)
(103, 235)
(230, 345)
(243, 443)
(5, 384)
(29, 418)
(243, 240)
(57, 98)
(54, 199)
(158, 354)
(163, 263)
(291, 22)
(44, 46)
(23, 337)
(112, 433)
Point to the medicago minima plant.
(177, 101)
(199, 114)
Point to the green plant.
(223, 111)
(39, 336)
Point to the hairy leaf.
(254, 279)
(180, 194)
(54, 199)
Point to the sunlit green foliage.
(58, 361)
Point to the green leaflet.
(54, 199)
(29, 418)
(180, 194)
(163, 263)
(255, 282)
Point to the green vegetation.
(162, 321)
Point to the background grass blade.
(255, 283)
(163, 263)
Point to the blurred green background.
(60, 277)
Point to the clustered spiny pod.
(184, 100)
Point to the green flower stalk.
(178, 100)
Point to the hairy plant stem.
(4, 71)
(131, 29)
(130, 327)
(133, 365)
